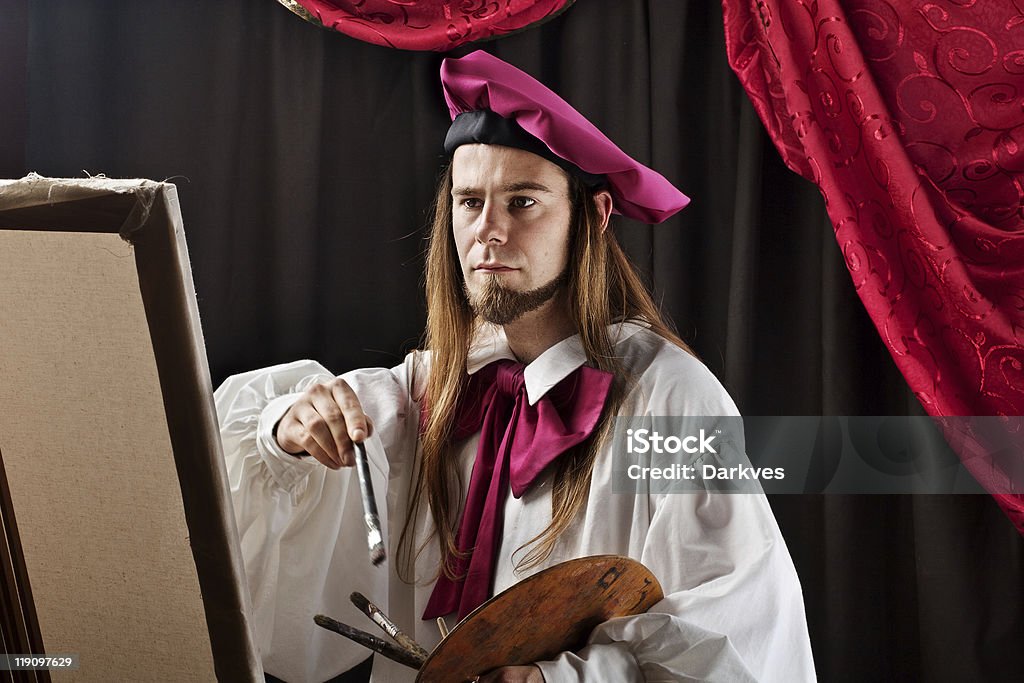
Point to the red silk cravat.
(517, 441)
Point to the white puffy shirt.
(733, 608)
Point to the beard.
(500, 305)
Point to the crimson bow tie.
(517, 441)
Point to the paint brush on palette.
(373, 536)
(378, 617)
(393, 652)
(551, 611)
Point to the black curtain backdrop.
(306, 161)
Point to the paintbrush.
(381, 619)
(373, 536)
(371, 641)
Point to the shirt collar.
(548, 369)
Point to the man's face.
(510, 217)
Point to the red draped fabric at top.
(425, 24)
(909, 116)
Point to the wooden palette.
(550, 612)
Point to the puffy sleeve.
(733, 607)
(300, 524)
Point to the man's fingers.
(355, 420)
(294, 438)
(321, 455)
(513, 674)
(324, 422)
(334, 419)
(316, 437)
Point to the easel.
(118, 539)
(19, 626)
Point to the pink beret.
(480, 81)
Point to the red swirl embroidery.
(909, 116)
(429, 24)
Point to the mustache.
(500, 305)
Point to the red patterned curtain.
(909, 116)
(425, 24)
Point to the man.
(492, 446)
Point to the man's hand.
(514, 674)
(324, 422)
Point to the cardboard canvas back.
(120, 544)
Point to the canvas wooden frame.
(118, 532)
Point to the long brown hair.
(603, 288)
